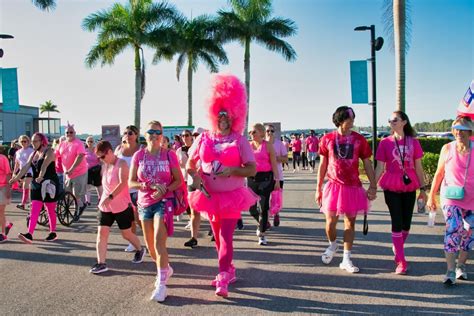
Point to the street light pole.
(375, 45)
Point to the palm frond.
(105, 52)
(142, 77)
(179, 64)
(277, 45)
(45, 5)
(209, 61)
(387, 21)
(280, 27)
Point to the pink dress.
(228, 195)
(343, 194)
(389, 153)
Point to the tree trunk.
(49, 127)
(399, 26)
(247, 81)
(138, 87)
(190, 90)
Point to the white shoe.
(258, 233)
(159, 293)
(348, 266)
(168, 276)
(327, 256)
(130, 248)
(294, 170)
(188, 227)
(262, 240)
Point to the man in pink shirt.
(72, 153)
(312, 149)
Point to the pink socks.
(398, 243)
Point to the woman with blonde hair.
(21, 158)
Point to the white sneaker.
(159, 293)
(262, 240)
(348, 266)
(188, 227)
(258, 233)
(130, 248)
(327, 256)
(294, 170)
(168, 276)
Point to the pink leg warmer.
(34, 214)
(397, 239)
(405, 235)
(225, 251)
(51, 208)
(26, 195)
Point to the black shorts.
(93, 176)
(124, 219)
(27, 175)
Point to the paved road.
(286, 276)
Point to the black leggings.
(296, 159)
(262, 184)
(304, 159)
(401, 207)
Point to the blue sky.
(49, 50)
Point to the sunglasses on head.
(154, 132)
(394, 120)
(129, 133)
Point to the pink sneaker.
(222, 284)
(402, 268)
(232, 277)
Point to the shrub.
(430, 162)
(433, 145)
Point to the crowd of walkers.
(219, 173)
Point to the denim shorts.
(149, 212)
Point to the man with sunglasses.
(72, 153)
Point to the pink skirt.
(345, 200)
(223, 205)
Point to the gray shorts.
(312, 156)
(4, 200)
(78, 186)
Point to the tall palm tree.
(48, 107)
(398, 29)
(134, 25)
(194, 42)
(250, 20)
(45, 5)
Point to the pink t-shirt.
(262, 158)
(280, 151)
(110, 180)
(69, 152)
(312, 144)
(387, 152)
(154, 169)
(343, 153)
(296, 145)
(4, 170)
(217, 152)
(91, 158)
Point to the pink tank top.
(110, 180)
(455, 173)
(262, 157)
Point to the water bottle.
(421, 205)
(431, 219)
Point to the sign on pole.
(359, 82)
(9, 83)
(111, 133)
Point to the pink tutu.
(393, 182)
(223, 204)
(344, 200)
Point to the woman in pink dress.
(343, 193)
(226, 159)
(400, 172)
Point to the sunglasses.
(154, 132)
(185, 135)
(69, 132)
(90, 141)
(252, 132)
(222, 113)
(395, 120)
(23, 141)
(270, 131)
(129, 133)
(102, 157)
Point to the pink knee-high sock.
(34, 214)
(397, 239)
(226, 249)
(405, 234)
(216, 231)
(26, 195)
(51, 208)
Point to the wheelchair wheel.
(67, 208)
(43, 219)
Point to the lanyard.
(402, 155)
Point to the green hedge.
(430, 162)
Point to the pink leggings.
(35, 212)
(224, 233)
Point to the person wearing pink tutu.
(226, 159)
(343, 193)
(400, 173)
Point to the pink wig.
(227, 94)
(43, 138)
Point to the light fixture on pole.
(4, 36)
(375, 45)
